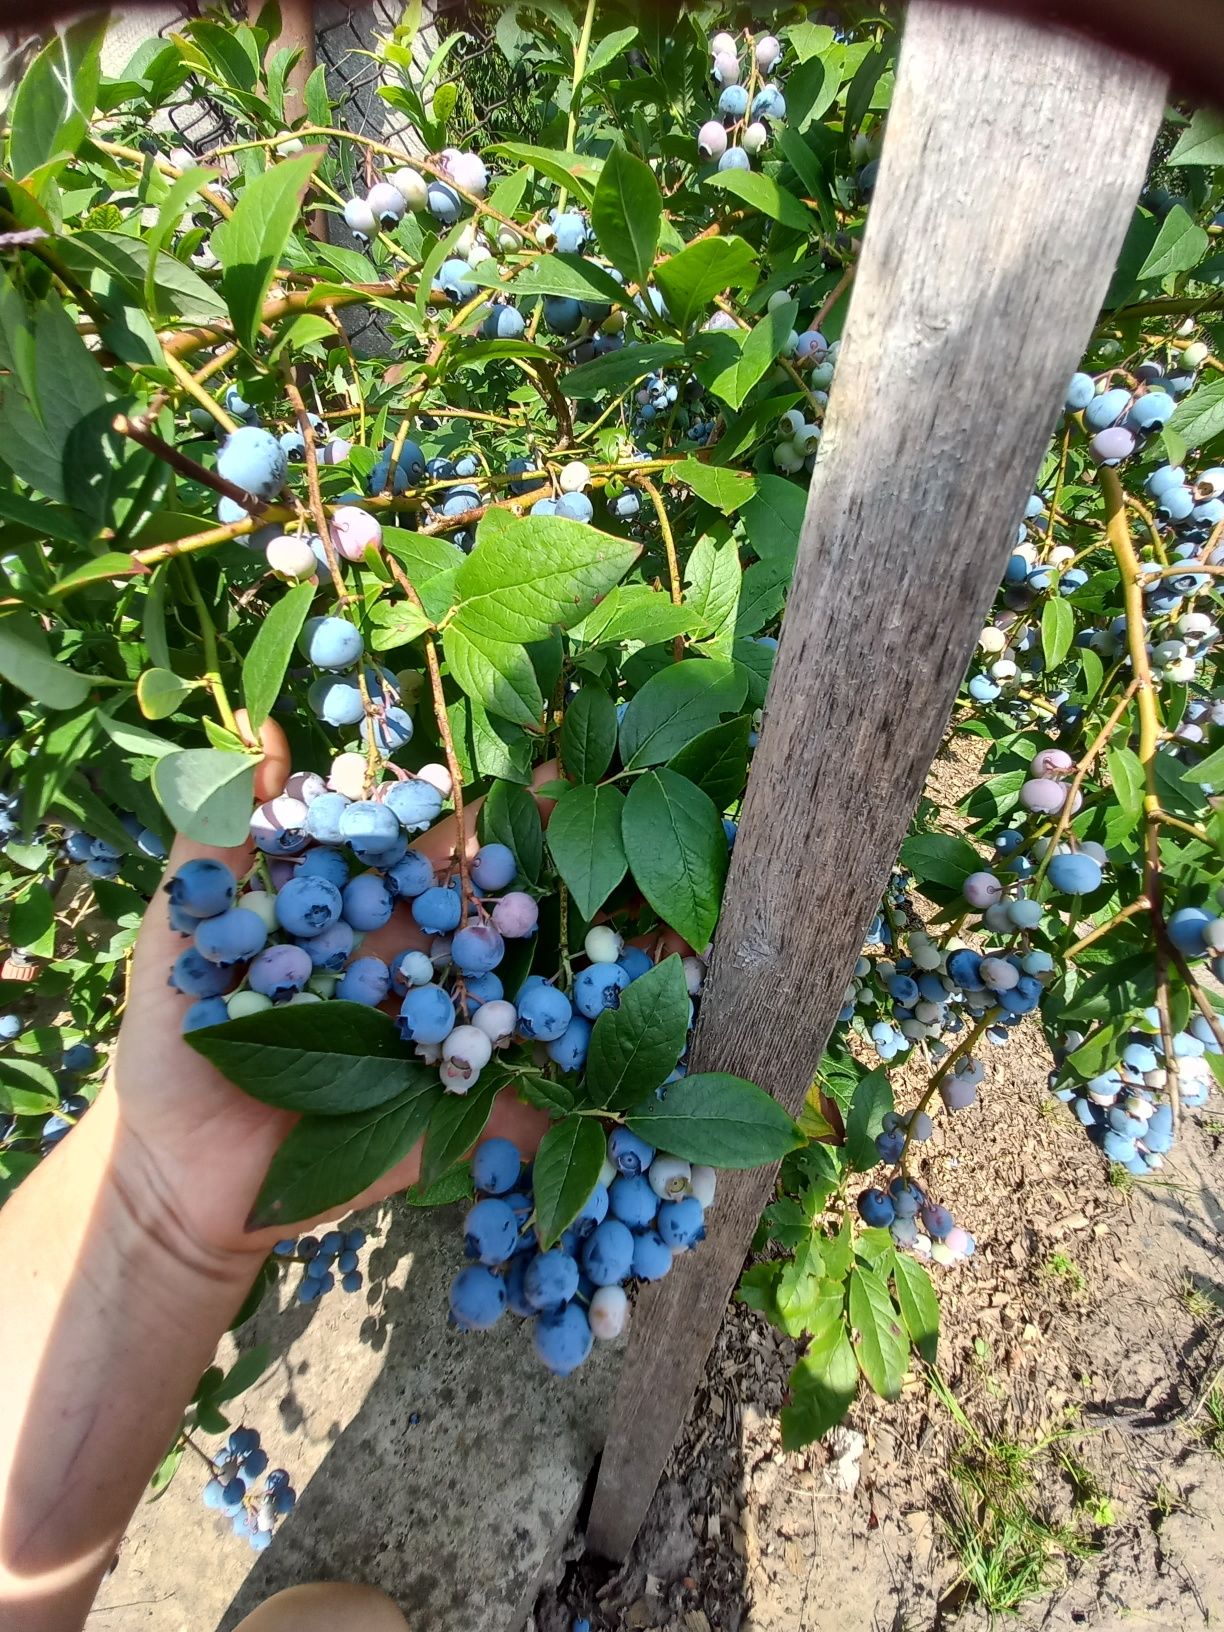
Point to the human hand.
(193, 1146)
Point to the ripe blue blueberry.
(416, 804)
(551, 1280)
(325, 864)
(476, 949)
(494, 867)
(366, 980)
(563, 1340)
(82, 1057)
(411, 876)
(569, 1050)
(231, 937)
(438, 909)
(652, 1257)
(307, 906)
(209, 1011)
(427, 1015)
(607, 1253)
(631, 1199)
(570, 232)
(490, 1232)
(733, 102)
(335, 701)
(496, 1165)
(543, 1012)
(561, 314)
(630, 1154)
(368, 903)
(635, 961)
(253, 459)
(195, 976)
(477, 1298)
(331, 643)
(594, 1210)
(323, 818)
(1074, 874)
(331, 948)
(681, 1223)
(202, 889)
(1186, 927)
(598, 987)
(876, 1208)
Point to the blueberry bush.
(520, 574)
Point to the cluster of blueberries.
(915, 1222)
(245, 1492)
(745, 112)
(79, 1060)
(326, 1257)
(102, 859)
(298, 940)
(463, 179)
(644, 1210)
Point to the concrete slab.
(456, 1515)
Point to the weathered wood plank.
(1012, 160)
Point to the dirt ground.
(1080, 1346)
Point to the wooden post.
(1012, 160)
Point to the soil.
(1088, 1330)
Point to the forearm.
(110, 1314)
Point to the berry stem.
(318, 511)
(208, 636)
(580, 62)
(1139, 904)
(193, 388)
(673, 564)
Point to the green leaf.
(570, 275)
(565, 1174)
(712, 578)
(635, 1047)
(510, 816)
(528, 576)
(761, 193)
(773, 520)
(134, 739)
(495, 673)
(588, 735)
(322, 1059)
(574, 171)
(717, 1120)
(1208, 772)
(634, 612)
(743, 429)
(159, 692)
(584, 840)
(620, 369)
(873, 1099)
(457, 1122)
(725, 489)
(940, 858)
(55, 96)
(243, 1374)
(716, 761)
(26, 662)
(1202, 142)
(501, 749)
(673, 706)
(32, 922)
(207, 793)
(626, 211)
(1180, 244)
(395, 623)
(1126, 774)
(760, 349)
(251, 243)
(26, 1088)
(1199, 418)
(1057, 630)
(881, 1349)
(327, 1160)
(677, 850)
(823, 1388)
(691, 280)
(606, 51)
(919, 1305)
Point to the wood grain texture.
(1012, 161)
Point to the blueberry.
(598, 987)
(490, 1231)
(195, 976)
(477, 1298)
(307, 906)
(652, 1257)
(1186, 928)
(631, 1199)
(569, 1050)
(336, 702)
(496, 1165)
(563, 1340)
(280, 971)
(570, 233)
(82, 1057)
(477, 948)
(551, 1279)
(331, 948)
(254, 460)
(366, 822)
(416, 804)
(323, 818)
(681, 1223)
(635, 962)
(202, 889)
(607, 1253)
(938, 1220)
(630, 1154)
(411, 876)
(331, 643)
(438, 909)
(561, 314)
(427, 1015)
(543, 1012)
(493, 867)
(876, 1208)
(733, 102)
(368, 903)
(231, 937)
(367, 980)
(1074, 874)
(326, 864)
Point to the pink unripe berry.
(957, 1093)
(386, 201)
(721, 43)
(335, 451)
(348, 774)
(958, 1242)
(1042, 795)
(1112, 445)
(291, 557)
(768, 53)
(711, 140)
(467, 1050)
(497, 1019)
(467, 171)
(1051, 762)
(726, 68)
(438, 777)
(354, 531)
(982, 890)
(999, 975)
(516, 915)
